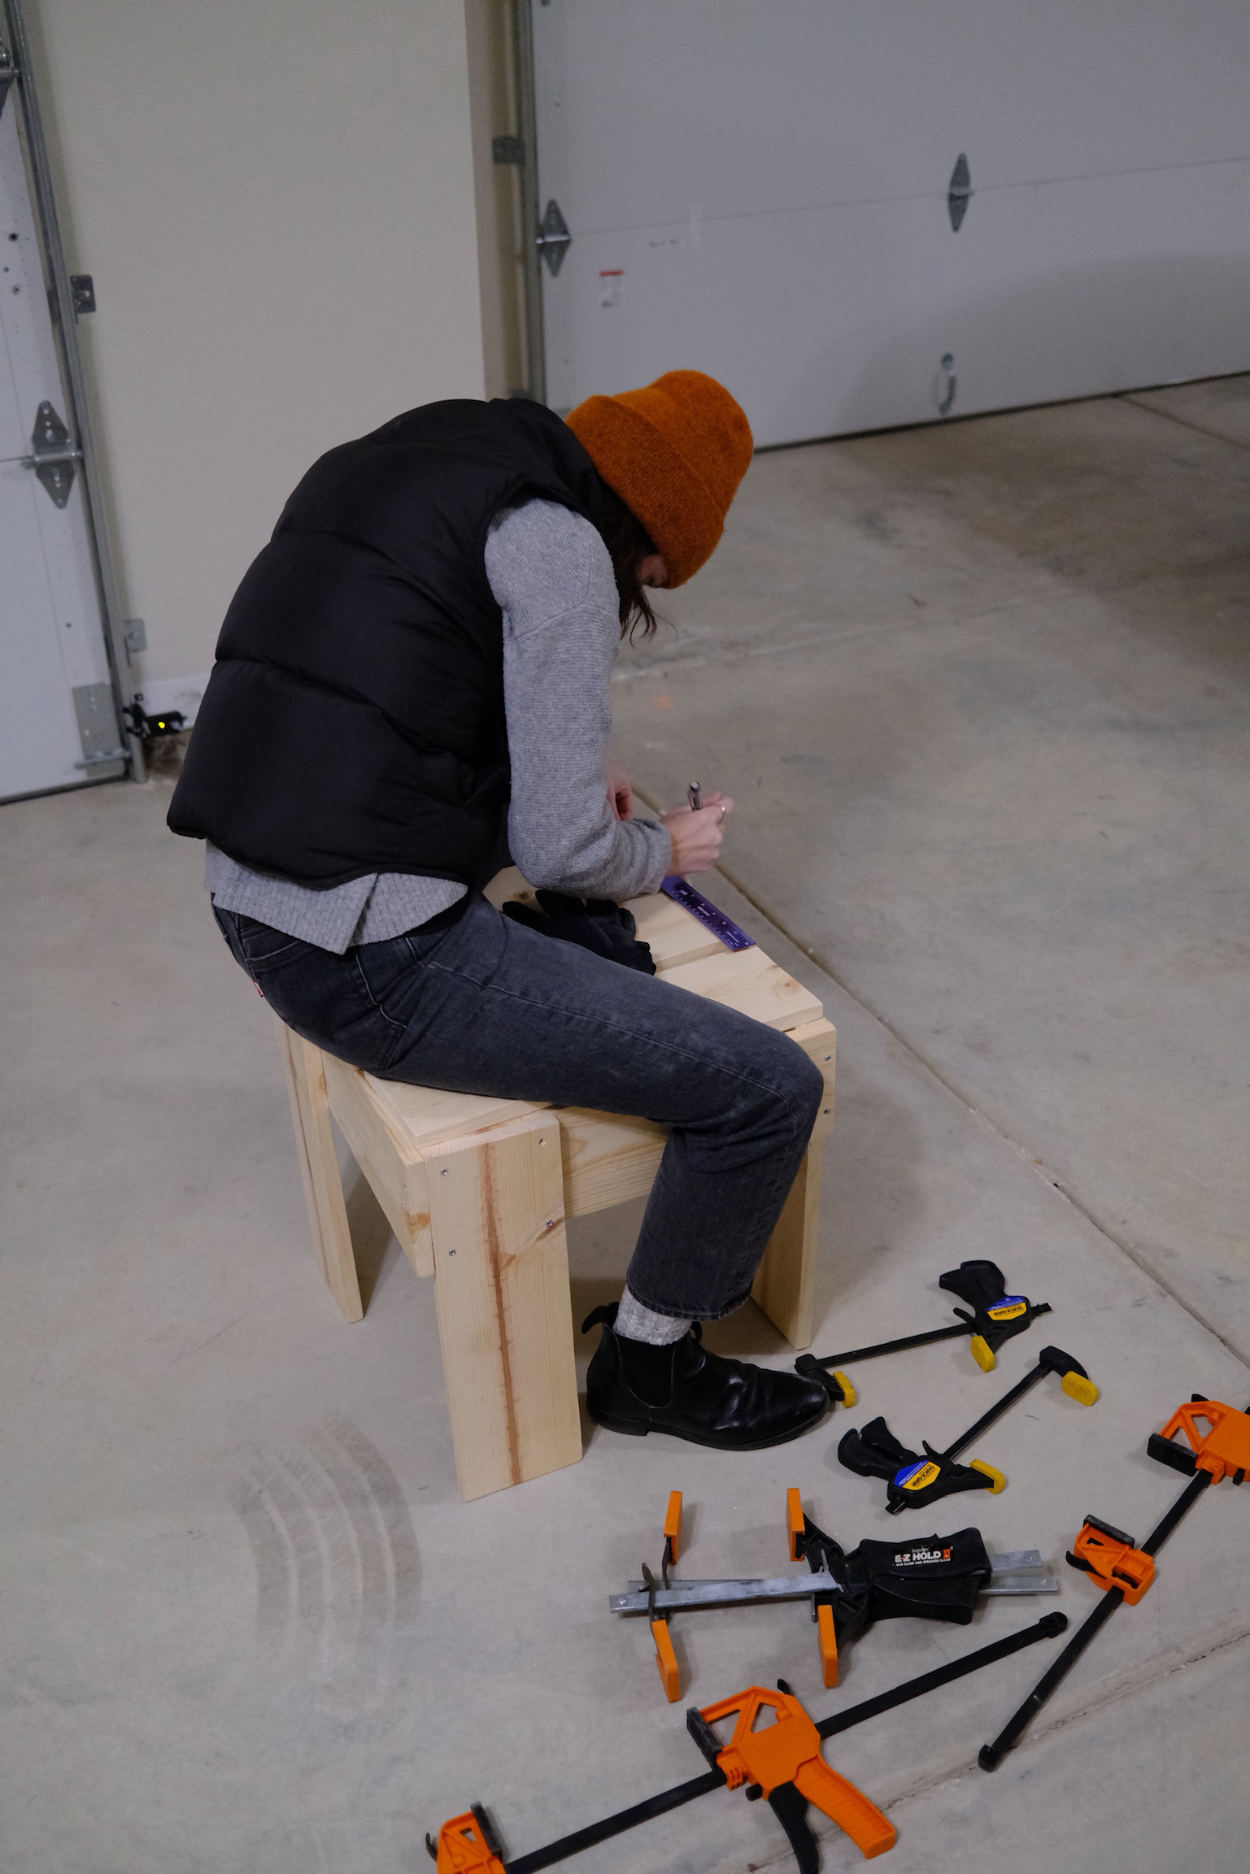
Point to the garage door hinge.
(53, 461)
(554, 238)
(959, 194)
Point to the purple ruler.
(698, 906)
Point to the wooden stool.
(477, 1191)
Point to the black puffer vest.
(354, 720)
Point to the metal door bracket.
(82, 289)
(97, 724)
(554, 238)
(507, 150)
(8, 75)
(107, 758)
(960, 192)
(53, 461)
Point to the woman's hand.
(620, 793)
(697, 836)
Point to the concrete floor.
(980, 692)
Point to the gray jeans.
(478, 1004)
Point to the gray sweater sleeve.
(552, 575)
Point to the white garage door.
(764, 192)
(59, 720)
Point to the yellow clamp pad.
(997, 1480)
(1078, 1387)
(982, 1353)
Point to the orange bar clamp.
(665, 1657)
(466, 1845)
(783, 1761)
(1108, 1556)
(1218, 1446)
(1222, 1448)
(826, 1634)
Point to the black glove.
(595, 923)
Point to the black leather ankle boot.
(683, 1389)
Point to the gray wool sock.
(634, 1321)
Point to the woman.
(412, 679)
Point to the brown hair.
(629, 543)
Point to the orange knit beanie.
(674, 452)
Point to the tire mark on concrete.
(308, 1545)
(335, 1554)
(371, 1607)
(390, 1506)
(273, 1553)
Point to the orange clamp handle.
(1109, 1558)
(826, 1637)
(666, 1661)
(827, 1640)
(788, 1751)
(855, 1814)
(794, 1522)
(672, 1525)
(1223, 1448)
(463, 1848)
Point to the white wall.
(276, 204)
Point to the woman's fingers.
(696, 836)
(712, 797)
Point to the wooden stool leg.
(323, 1188)
(785, 1280)
(501, 1283)
(784, 1286)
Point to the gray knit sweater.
(552, 576)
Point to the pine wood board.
(323, 1191)
(751, 982)
(389, 1125)
(674, 934)
(388, 1151)
(501, 1285)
